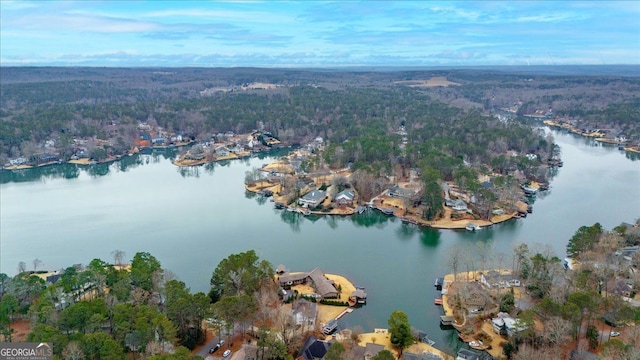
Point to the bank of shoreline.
(443, 224)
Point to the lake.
(190, 219)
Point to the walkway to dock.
(346, 311)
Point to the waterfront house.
(459, 205)
(345, 197)
(305, 312)
(399, 192)
(222, 151)
(158, 140)
(496, 279)
(313, 349)
(466, 354)
(371, 350)
(323, 286)
(313, 198)
(289, 279)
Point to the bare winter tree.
(36, 264)
(22, 267)
(73, 351)
(118, 256)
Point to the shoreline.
(88, 161)
(441, 224)
(469, 276)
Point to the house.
(466, 354)
(305, 312)
(313, 349)
(345, 197)
(323, 286)
(498, 323)
(222, 151)
(459, 205)
(289, 279)
(424, 356)
(371, 350)
(399, 192)
(495, 279)
(158, 140)
(619, 287)
(505, 324)
(313, 198)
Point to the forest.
(113, 310)
(62, 105)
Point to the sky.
(318, 34)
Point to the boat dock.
(447, 320)
(346, 311)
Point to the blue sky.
(318, 34)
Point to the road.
(204, 351)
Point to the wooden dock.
(346, 311)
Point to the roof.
(346, 194)
(467, 355)
(360, 294)
(372, 349)
(306, 308)
(323, 285)
(314, 195)
(314, 349)
(289, 277)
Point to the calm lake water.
(191, 219)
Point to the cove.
(190, 219)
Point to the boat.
(361, 209)
(478, 345)
(472, 227)
(439, 283)
(437, 301)
(291, 208)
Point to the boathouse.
(358, 297)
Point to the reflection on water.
(430, 237)
(291, 218)
(72, 171)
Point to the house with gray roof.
(345, 197)
(325, 287)
(313, 198)
(371, 350)
(496, 279)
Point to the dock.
(346, 311)
(447, 320)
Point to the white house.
(313, 198)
